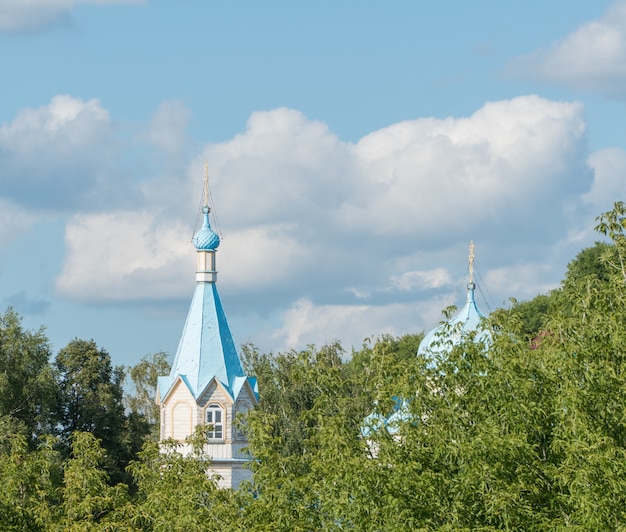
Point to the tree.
(144, 376)
(175, 493)
(311, 467)
(594, 264)
(29, 480)
(92, 401)
(498, 434)
(597, 261)
(89, 502)
(533, 314)
(27, 386)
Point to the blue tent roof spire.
(206, 350)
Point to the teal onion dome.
(205, 239)
(443, 337)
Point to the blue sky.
(355, 148)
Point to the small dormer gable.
(215, 391)
(167, 386)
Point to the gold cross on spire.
(205, 206)
(471, 261)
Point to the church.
(207, 384)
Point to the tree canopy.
(526, 431)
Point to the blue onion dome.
(205, 239)
(469, 319)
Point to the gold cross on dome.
(471, 261)
(206, 184)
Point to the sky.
(354, 151)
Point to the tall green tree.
(175, 492)
(141, 398)
(29, 480)
(91, 400)
(27, 385)
(89, 501)
(594, 264)
(498, 434)
(311, 466)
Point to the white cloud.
(593, 57)
(523, 280)
(420, 280)
(59, 156)
(454, 174)
(124, 257)
(14, 221)
(314, 225)
(69, 156)
(65, 122)
(260, 256)
(305, 323)
(609, 167)
(168, 128)
(31, 15)
(283, 167)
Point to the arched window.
(215, 420)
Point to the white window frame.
(216, 420)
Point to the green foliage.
(504, 434)
(290, 384)
(593, 265)
(613, 225)
(176, 493)
(305, 434)
(533, 315)
(89, 502)
(512, 435)
(28, 480)
(27, 387)
(597, 262)
(91, 400)
(144, 376)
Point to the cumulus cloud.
(523, 280)
(32, 15)
(305, 323)
(421, 279)
(59, 156)
(14, 221)
(27, 305)
(500, 164)
(609, 185)
(168, 128)
(593, 57)
(283, 167)
(124, 257)
(314, 227)
(69, 156)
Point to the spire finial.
(205, 207)
(471, 261)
